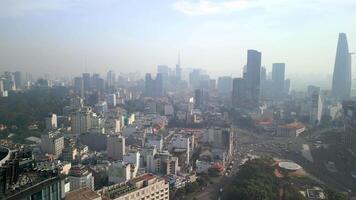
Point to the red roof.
(294, 125)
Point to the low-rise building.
(147, 186)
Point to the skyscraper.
(86, 81)
(153, 87)
(178, 69)
(79, 86)
(253, 76)
(341, 85)
(278, 77)
(225, 85)
(238, 92)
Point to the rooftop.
(294, 125)
(82, 194)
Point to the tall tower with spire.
(178, 68)
(341, 85)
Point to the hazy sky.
(69, 36)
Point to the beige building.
(147, 186)
(52, 143)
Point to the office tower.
(316, 105)
(149, 85)
(9, 81)
(348, 136)
(18, 80)
(238, 92)
(1, 85)
(153, 87)
(97, 83)
(278, 78)
(81, 121)
(79, 86)
(52, 143)
(158, 90)
(146, 186)
(178, 69)
(165, 72)
(286, 86)
(115, 147)
(111, 100)
(212, 84)
(194, 78)
(341, 85)
(225, 85)
(110, 79)
(51, 121)
(253, 77)
(263, 74)
(86, 82)
(201, 99)
(80, 177)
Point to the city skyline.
(97, 36)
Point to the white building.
(162, 163)
(81, 121)
(116, 147)
(316, 107)
(147, 186)
(111, 100)
(51, 121)
(80, 177)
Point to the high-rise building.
(263, 74)
(194, 78)
(253, 77)
(238, 92)
(52, 143)
(1, 85)
(81, 121)
(18, 79)
(86, 82)
(278, 78)
(9, 81)
(178, 69)
(110, 79)
(162, 163)
(154, 87)
(111, 100)
(225, 85)
(201, 99)
(79, 86)
(80, 177)
(51, 121)
(316, 105)
(341, 85)
(349, 108)
(115, 147)
(286, 86)
(97, 83)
